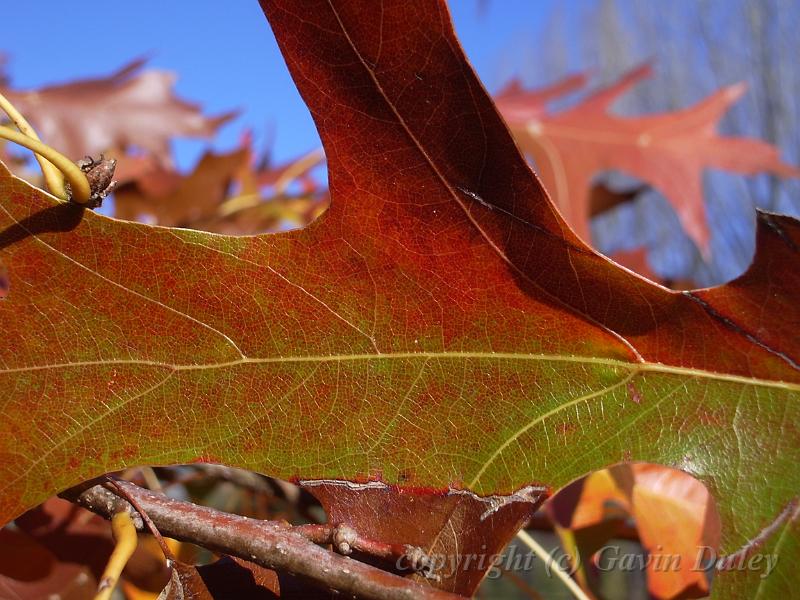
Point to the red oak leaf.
(165, 197)
(519, 105)
(439, 328)
(129, 108)
(669, 151)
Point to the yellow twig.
(151, 479)
(125, 535)
(234, 205)
(53, 178)
(551, 565)
(81, 192)
(298, 168)
(293, 171)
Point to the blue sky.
(225, 55)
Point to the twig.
(165, 549)
(551, 564)
(151, 479)
(79, 184)
(53, 178)
(731, 561)
(342, 537)
(345, 540)
(522, 585)
(265, 543)
(125, 536)
(245, 479)
(298, 168)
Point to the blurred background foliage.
(695, 49)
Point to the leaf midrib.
(634, 367)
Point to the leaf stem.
(125, 534)
(53, 178)
(79, 184)
(551, 564)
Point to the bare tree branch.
(266, 543)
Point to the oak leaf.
(224, 193)
(164, 197)
(669, 151)
(451, 526)
(75, 542)
(271, 197)
(129, 108)
(439, 327)
(518, 104)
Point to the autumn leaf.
(519, 105)
(29, 570)
(226, 578)
(59, 549)
(675, 518)
(669, 151)
(267, 214)
(603, 197)
(439, 327)
(636, 260)
(129, 108)
(230, 577)
(135, 167)
(165, 197)
(4, 283)
(3, 69)
(265, 202)
(280, 176)
(457, 524)
(205, 199)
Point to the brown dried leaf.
(231, 577)
(129, 108)
(29, 571)
(164, 197)
(460, 532)
(76, 536)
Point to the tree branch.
(266, 543)
(345, 539)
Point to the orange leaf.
(669, 151)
